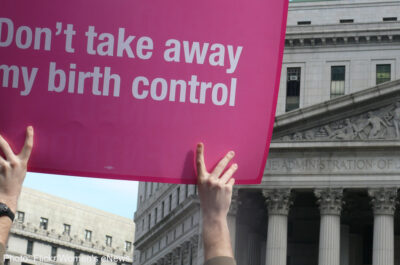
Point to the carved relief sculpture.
(383, 123)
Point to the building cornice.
(293, 6)
(342, 34)
(65, 241)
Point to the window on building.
(155, 215)
(338, 74)
(29, 247)
(44, 223)
(303, 22)
(186, 191)
(383, 72)
(170, 203)
(20, 217)
(76, 258)
(143, 224)
(53, 253)
(346, 20)
(162, 209)
(178, 195)
(108, 241)
(149, 221)
(128, 246)
(293, 88)
(389, 19)
(67, 229)
(88, 235)
(7, 262)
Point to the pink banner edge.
(276, 91)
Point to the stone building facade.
(51, 230)
(330, 188)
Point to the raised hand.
(13, 169)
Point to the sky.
(114, 196)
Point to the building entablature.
(92, 248)
(352, 141)
(342, 34)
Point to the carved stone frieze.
(330, 201)
(384, 200)
(278, 201)
(379, 124)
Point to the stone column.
(278, 202)
(384, 203)
(330, 205)
(232, 219)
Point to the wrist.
(213, 217)
(11, 202)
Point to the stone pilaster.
(185, 252)
(234, 202)
(160, 261)
(168, 259)
(231, 218)
(278, 203)
(330, 205)
(194, 242)
(176, 256)
(384, 203)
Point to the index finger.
(27, 149)
(5, 147)
(200, 164)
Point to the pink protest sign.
(125, 89)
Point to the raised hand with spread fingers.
(215, 192)
(13, 168)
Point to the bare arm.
(215, 192)
(12, 174)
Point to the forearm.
(216, 238)
(5, 227)
(5, 221)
